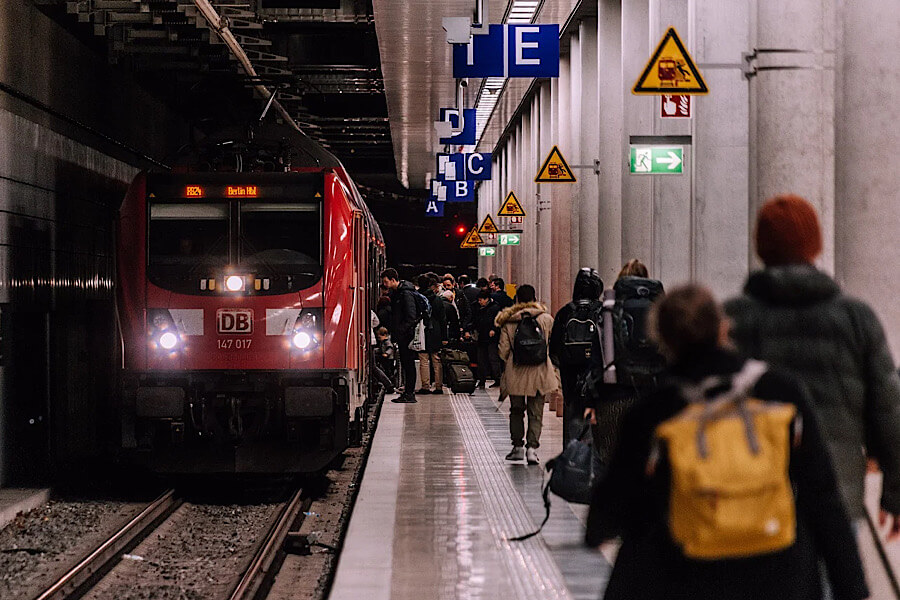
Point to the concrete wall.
(60, 188)
(813, 111)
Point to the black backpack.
(529, 343)
(580, 333)
(423, 308)
(638, 362)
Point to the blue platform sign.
(452, 191)
(466, 131)
(509, 51)
(464, 167)
(434, 208)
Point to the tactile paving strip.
(532, 569)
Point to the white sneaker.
(532, 457)
(517, 453)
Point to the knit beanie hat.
(788, 232)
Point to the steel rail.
(105, 555)
(261, 569)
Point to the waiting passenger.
(529, 375)
(430, 369)
(498, 293)
(572, 343)
(487, 340)
(761, 522)
(794, 316)
(405, 316)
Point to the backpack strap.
(545, 494)
(737, 390)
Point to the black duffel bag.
(573, 476)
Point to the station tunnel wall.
(61, 183)
(802, 96)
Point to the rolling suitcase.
(457, 373)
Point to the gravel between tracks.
(39, 546)
(199, 553)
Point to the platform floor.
(438, 502)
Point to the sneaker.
(480, 385)
(532, 457)
(423, 391)
(438, 391)
(517, 453)
(496, 384)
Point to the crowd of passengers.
(735, 467)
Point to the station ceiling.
(322, 56)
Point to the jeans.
(489, 361)
(518, 406)
(407, 365)
(429, 361)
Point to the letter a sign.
(511, 207)
(670, 70)
(555, 169)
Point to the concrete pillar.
(542, 217)
(562, 216)
(867, 141)
(792, 106)
(586, 199)
(610, 147)
(637, 201)
(573, 147)
(721, 223)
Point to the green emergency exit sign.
(510, 239)
(487, 251)
(657, 160)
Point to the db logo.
(234, 320)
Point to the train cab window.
(185, 236)
(282, 237)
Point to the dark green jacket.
(796, 317)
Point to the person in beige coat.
(526, 385)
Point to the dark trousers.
(573, 407)
(489, 361)
(408, 365)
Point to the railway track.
(254, 583)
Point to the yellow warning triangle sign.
(472, 240)
(318, 195)
(511, 207)
(555, 169)
(488, 226)
(670, 70)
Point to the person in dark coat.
(430, 370)
(488, 340)
(794, 316)
(454, 329)
(404, 318)
(498, 293)
(632, 501)
(383, 311)
(587, 289)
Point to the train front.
(234, 350)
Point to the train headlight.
(302, 340)
(306, 335)
(168, 340)
(234, 283)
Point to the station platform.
(438, 503)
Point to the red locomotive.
(246, 277)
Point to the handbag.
(418, 342)
(573, 476)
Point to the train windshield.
(187, 236)
(281, 237)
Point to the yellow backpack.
(731, 495)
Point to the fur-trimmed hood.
(512, 314)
